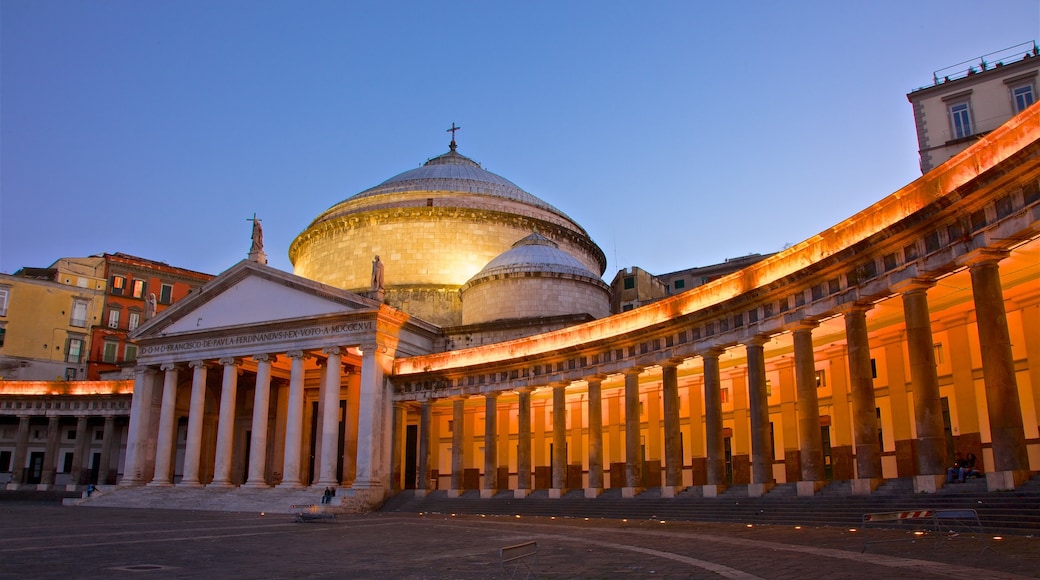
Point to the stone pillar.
(167, 428)
(672, 440)
(559, 454)
(715, 443)
(291, 472)
(79, 472)
(633, 440)
(864, 405)
(50, 454)
(108, 444)
(422, 484)
(595, 486)
(139, 432)
(329, 433)
(523, 454)
(350, 431)
(1010, 460)
(226, 424)
(21, 450)
(397, 447)
(931, 441)
(458, 439)
(261, 408)
(810, 440)
(490, 446)
(196, 418)
(758, 408)
(373, 425)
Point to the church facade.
(478, 352)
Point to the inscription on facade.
(259, 337)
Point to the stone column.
(373, 425)
(226, 424)
(108, 443)
(758, 408)
(50, 455)
(261, 409)
(490, 446)
(422, 484)
(397, 447)
(523, 454)
(457, 442)
(196, 418)
(559, 454)
(810, 444)
(715, 443)
(79, 473)
(864, 405)
(330, 418)
(21, 449)
(291, 472)
(595, 438)
(633, 440)
(1010, 460)
(672, 440)
(167, 428)
(139, 432)
(350, 429)
(924, 381)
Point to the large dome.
(433, 227)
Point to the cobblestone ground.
(49, 541)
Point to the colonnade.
(38, 445)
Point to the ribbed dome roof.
(534, 253)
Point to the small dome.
(535, 253)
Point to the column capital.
(332, 350)
(597, 378)
(910, 285)
(229, 361)
(633, 371)
(713, 352)
(197, 364)
(167, 367)
(296, 354)
(807, 324)
(262, 358)
(492, 394)
(854, 306)
(982, 256)
(758, 340)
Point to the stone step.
(230, 499)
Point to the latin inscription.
(259, 338)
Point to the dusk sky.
(678, 134)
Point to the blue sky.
(678, 134)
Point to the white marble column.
(21, 449)
(373, 424)
(167, 428)
(196, 417)
(108, 444)
(139, 431)
(329, 426)
(50, 454)
(291, 472)
(79, 454)
(261, 408)
(226, 424)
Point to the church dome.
(533, 279)
(434, 227)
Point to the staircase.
(229, 499)
(1015, 512)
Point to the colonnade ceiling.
(983, 204)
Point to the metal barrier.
(942, 525)
(521, 556)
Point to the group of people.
(962, 468)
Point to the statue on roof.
(258, 236)
(377, 275)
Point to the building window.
(1023, 97)
(680, 284)
(109, 354)
(938, 353)
(66, 466)
(130, 353)
(74, 350)
(79, 313)
(821, 379)
(4, 294)
(960, 120)
(3, 333)
(451, 425)
(630, 282)
(724, 395)
(5, 461)
(70, 434)
(113, 319)
(135, 321)
(139, 288)
(118, 285)
(769, 388)
(626, 308)
(166, 294)
(873, 368)
(70, 373)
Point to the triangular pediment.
(251, 293)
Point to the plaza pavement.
(45, 540)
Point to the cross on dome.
(452, 145)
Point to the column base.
(220, 484)
(928, 483)
(454, 493)
(628, 492)
(488, 493)
(809, 488)
(669, 491)
(1005, 480)
(159, 484)
(44, 487)
(190, 484)
(593, 492)
(758, 489)
(521, 493)
(712, 490)
(421, 493)
(72, 487)
(130, 482)
(289, 485)
(256, 484)
(11, 486)
(865, 485)
(556, 492)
